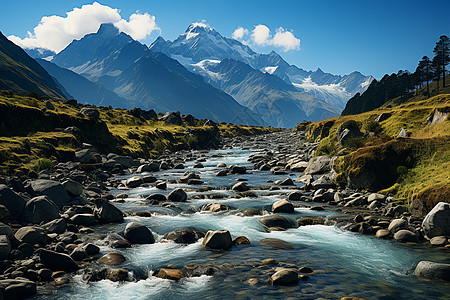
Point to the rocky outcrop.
(437, 221)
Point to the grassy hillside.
(30, 132)
(415, 169)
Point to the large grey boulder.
(31, 235)
(274, 221)
(177, 195)
(90, 112)
(56, 226)
(283, 206)
(397, 224)
(54, 190)
(5, 246)
(18, 288)
(219, 239)
(437, 221)
(57, 261)
(432, 270)
(40, 209)
(240, 187)
(138, 233)
(318, 165)
(184, 236)
(12, 201)
(404, 235)
(73, 187)
(284, 277)
(106, 212)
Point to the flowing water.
(344, 263)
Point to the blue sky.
(373, 37)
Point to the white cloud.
(56, 32)
(261, 36)
(239, 33)
(286, 40)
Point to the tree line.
(401, 84)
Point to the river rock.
(318, 165)
(215, 207)
(219, 239)
(184, 236)
(295, 196)
(162, 185)
(57, 261)
(134, 182)
(311, 221)
(83, 219)
(437, 221)
(91, 249)
(74, 188)
(376, 197)
(241, 240)
(12, 201)
(287, 181)
(237, 169)
(5, 246)
(276, 244)
(4, 212)
(112, 258)
(383, 233)
(40, 209)
(138, 233)
(173, 274)
(106, 212)
(240, 187)
(15, 289)
(439, 241)
(56, 226)
(6, 230)
(432, 270)
(404, 235)
(275, 221)
(177, 195)
(54, 190)
(156, 197)
(31, 235)
(397, 224)
(283, 206)
(78, 254)
(284, 277)
(222, 173)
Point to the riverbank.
(141, 224)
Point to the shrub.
(42, 164)
(373, 126)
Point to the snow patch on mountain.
(270, 70)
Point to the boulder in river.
(432, 270)
(215, 207)
(177, 195)
(54, 190)
(404, 235)
(18, 288)
(397, 224)
(134, 182)
(184, 236)
(5, 246)
(284, 277)
(12, 201)
(437, 221)
(276, 244)
(40, 209)
(138, 233)
(57, 261)
(31, 235)
(173, 274)
(112, 258)
(240, 187)
(274, 221)
(283, 206)
(219, 239)
(318, 165)
(73, 187)
(106, 212)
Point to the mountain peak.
(198, 27)
(108, 29)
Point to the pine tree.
(442, 55)
(424, 71)
(436, 71)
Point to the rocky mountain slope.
(21, 73)
(147, 79)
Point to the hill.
(21, 73)
(399, 150)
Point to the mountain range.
(200, 73)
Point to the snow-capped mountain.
(201, 46)
(148, 79)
